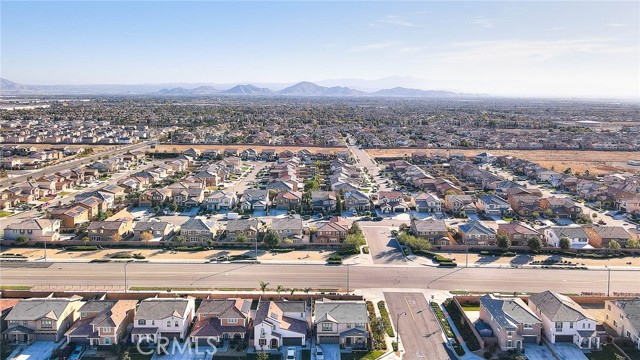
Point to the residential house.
(92, 204)
(575, 234)
(427, 202)
(288, 200)
(623, 317)
(455, 203)
(154, 197)
(477, 233)
(342, 322)
(332, 232)
(493, 205)
(70, 217)
(629, 204)
(221, 199)
(512, 321)
(563, 208)
(41, 319)
(563, 320)
(601, 236)
(109, 230)
(392, 201)
(518, 232)
(5, 307)
(254, 199)
(356, 200)
(431, 229)
(248, 228)
(35, 230)
(323, 201)
(220, 319)
(288, 228)
(280, 323)
(162, 317)
(152, 231)
(102, 322)
(197, 231)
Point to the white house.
(219, 199)
(563, 320)
(280, 323)
(159, 317)
(575, 234)
(623, 316)
(34, 230)
(342, 322)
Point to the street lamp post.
(398, 328)
(125, 276)
(347, 279)
(608, 280)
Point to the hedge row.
(384, 314)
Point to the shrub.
(82, 248)
(384, 314)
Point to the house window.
(176, 324)
(558, 326)
(168, 323)
(262, 342)
(107, 341)
(105, 329)
(509, 343)
(327, 326)
(232, 321)
(84, 314)
(46, 324)
(629, 334)
(142, 322)
(615, 323)
(571, 325)
(528, 326)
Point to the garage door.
(46, 337)
(329, 340)
(564, 338)
(291, 341)
(530, 339)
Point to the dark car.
(377, 218)
(366, 218)
(245, 217)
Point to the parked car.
(291, 354)
(366, 218)
(377, 218)
(77, 352)
(319, 353)
(245, 217)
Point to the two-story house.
(623, 316)
(220, 199)
(197, 231)
(332, 232)
(288, 200)
(356, 200)
(109, 230)
(512, 321)
(102, 322)
(152, 230)
(287, 228)
(342, 322)
(220, 319)
(563, 320)
(455, 203)
(34, 230)
(41, 319)
(323, 201)
(427, 202)
(247, 228)
(280, 323)
(518, 232)
(254, 199)
(432, 229)
(162, 317)
(493, 205)
(477, 233)
(154, 197)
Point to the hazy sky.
(540, 48)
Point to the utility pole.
(398, 328)
(466, 257)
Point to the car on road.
(77, 352)
(306, 217)
(319, 353)
(366, 218)
(245, 217)
(377, 218)
(291, 354)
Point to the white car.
(319, 353)
(291, 354)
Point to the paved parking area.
(382, 246)
(331, 352)
(420, 333)
(39, 350)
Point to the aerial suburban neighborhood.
(320, 180)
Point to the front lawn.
(5, 213)
(608, 352)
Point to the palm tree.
(293, 290)
(279, 289)
(263, 286)
(306, 290)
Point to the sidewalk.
(468, 355)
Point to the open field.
(258, 148)
(597, 162)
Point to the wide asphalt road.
(180, 275)
(420, 333)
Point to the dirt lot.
(597, 162)
(477, 259)
(258, 148)
(161, 254)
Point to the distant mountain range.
(304, 88)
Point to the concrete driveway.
(39, 350)
(564, 352)
(178, 351)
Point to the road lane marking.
(409, 308)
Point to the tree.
(117, 237)
(146, 235)
(85, 240)
(311, 185)
(173, 206)
(503, 241)
(353, 242)
(279, 289)
(535, 214)
(614, 245)
(241, 239)
(594, 215)
(263, 286)
(548, 213)
(306, 290)
(633, 244)
(21, 240)
(271, 239)
(565, 243)
(534, 244)
(339, 203)
(567, 171)
(355, 229)
(262, 356)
